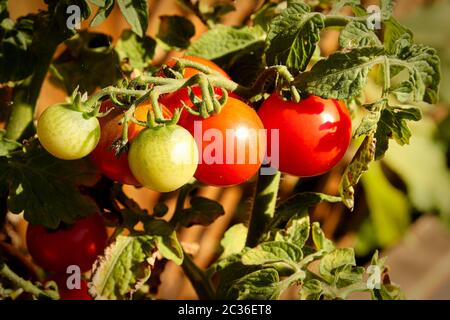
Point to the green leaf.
(393, 124)
(264, 16)
(203, 212)
(359, 164)
(136, 14)
(138, 52)
(356, 34)
(342, 75)
(170, 248)
(296, 231)
(213, 10)
(333, 260)
(223, 40)
(259, 285)
(46, 188)
(296, 205)
(423, 65)
(88, 62)
(311, 290)
(422, 165)
(104, 10)
(124, 268)
(7, 145)
(272, 252)
(393, 31)
(175, 31)
(233, 240)
(15, 44)
(293, 36)
(370, 121)
(319, 239)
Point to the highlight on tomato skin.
(103, 157)
(314, 134)
(235, 131)
(78, 244)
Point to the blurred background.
(402, 203)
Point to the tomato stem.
(263, 207)
(26, 285)
(198, 279)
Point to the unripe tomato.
(78, 244)
(230, 144)
(103, 156)
(163, 158)
(313, 134)
(66, 133)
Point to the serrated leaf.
(170, 248)
(125, 266)
(223, 40)
(272, 252)
(296, 205)
(342, 75)
(293, 36)
(104, 10)
(264, 16)
(138, 51)
(296, 231)
(136, 14)
(46, 189)
(335, 259)
(369, 123)
(393, 124)
(203, 211)
(359, 164)
(259, 285)
(319, 239)
(423, 65)
(311, 290)
(175, 31)
(88, 62)
(233, 240)
(356, 34)
(393, 31)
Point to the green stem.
(263, 207)
(26, 285)
(336, 21)
(26, 95)
(182, 195)
(198, 279)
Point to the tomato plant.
(295, 105)
(78, 244)
(103, 156)
(314, 134)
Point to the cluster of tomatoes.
(306, 138)
(311, 137)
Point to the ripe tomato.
(78, 244)
(66, 133)
(103, 157)
(313, 134)
(164, 158)
(71, 294)
(230, 144)
(174, 100)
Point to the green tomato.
(163, 158)
(66, 133)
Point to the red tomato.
(79, 244)
(71, 294)
(103, 157)
(174, 100)
(313, 134)
(230, 144)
